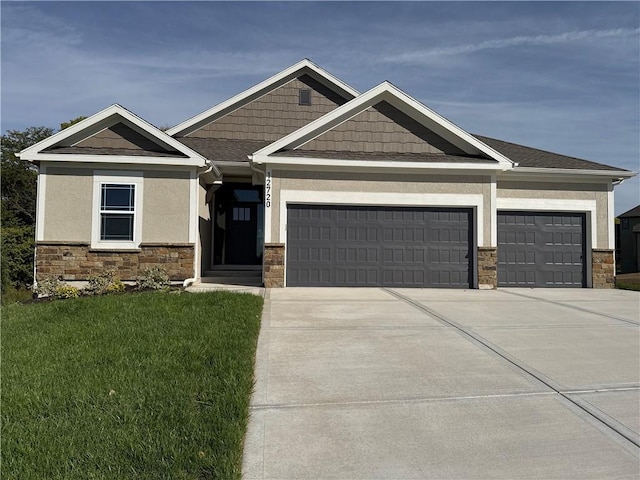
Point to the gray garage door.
(378, 246)
(541, 249)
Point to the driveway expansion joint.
(574, 307)
(614, 426)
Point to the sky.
(563, 77)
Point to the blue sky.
(559, 76)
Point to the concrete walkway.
(412, 384)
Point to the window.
(304, 96)
(117, 207)
(117, 210)
(241, 214)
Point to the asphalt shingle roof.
(382, 156)
(634, 212)
(238, 150)
(223, 150)
(114, 151)
(534, 157)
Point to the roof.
(536, 158)
(113, 151)
(224, 150)
(634, 212)
(384, 156)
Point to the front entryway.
(238, 230)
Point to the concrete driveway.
(411, 384)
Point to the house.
(307, 182)
(629, 241)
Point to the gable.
(274, 114)
(115, 135)
(120, 136)
(382, 128)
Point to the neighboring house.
(309, 183)
(629, 241)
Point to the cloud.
(420, 56)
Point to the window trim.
(100, 178)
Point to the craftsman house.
(303, 181)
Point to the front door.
(238, 225)
(243, 232)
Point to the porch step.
(233, 277)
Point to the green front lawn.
(148, 385)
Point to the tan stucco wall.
(565, 191)
(166, 207)
(358, 182)
(68, 204)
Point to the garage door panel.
(541, 249)
(376, 246)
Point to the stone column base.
(78, 261)
(273, 269)
(603, 268)
(487, 268)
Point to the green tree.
(19, 177)
(64, 125)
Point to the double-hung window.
(117, 211)
(117, 198)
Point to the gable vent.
(304, 96)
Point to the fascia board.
(372, 164)
(384, 92)
(261, 88)
(568, 172)
(115, 159)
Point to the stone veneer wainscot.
(274, 265)
(78, 261)
(603, 268)
(487, 268)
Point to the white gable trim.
(396, 97)
(105, 119)
(304, 66)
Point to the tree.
(18, 193)
(64, 125)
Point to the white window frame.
(102, 177)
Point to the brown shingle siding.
(273, 115)
(382, 128)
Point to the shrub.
(106, 282)
(67, 291)
(155, 278)
(47, 287)
(116, 286)
(17, 256)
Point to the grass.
(628, 286)
(14, 295)
(148, 385)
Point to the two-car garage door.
(379, 246)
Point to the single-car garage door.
(537, 249)
(379, 246)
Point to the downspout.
(190, 281)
